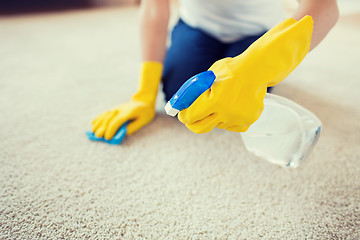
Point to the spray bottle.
(285, 133)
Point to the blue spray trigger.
(116, 140)
(189, 92)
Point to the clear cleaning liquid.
(285, 133)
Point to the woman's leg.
(191, 52)
(236, 48)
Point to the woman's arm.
(154, 19)
(325, 14)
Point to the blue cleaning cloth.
(116, 140)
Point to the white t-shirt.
(231, 20)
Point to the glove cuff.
(150, 76)
(278, 52)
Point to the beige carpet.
(58, 71)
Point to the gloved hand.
(140, 110)
(235, 100)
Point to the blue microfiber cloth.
(116, 140)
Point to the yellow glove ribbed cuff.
(150, 77)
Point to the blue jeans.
(193, 51)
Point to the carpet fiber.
(58, 71)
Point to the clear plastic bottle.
(285, 133)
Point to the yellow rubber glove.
(235, 100)
(140, 110)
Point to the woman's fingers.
(204, 125)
